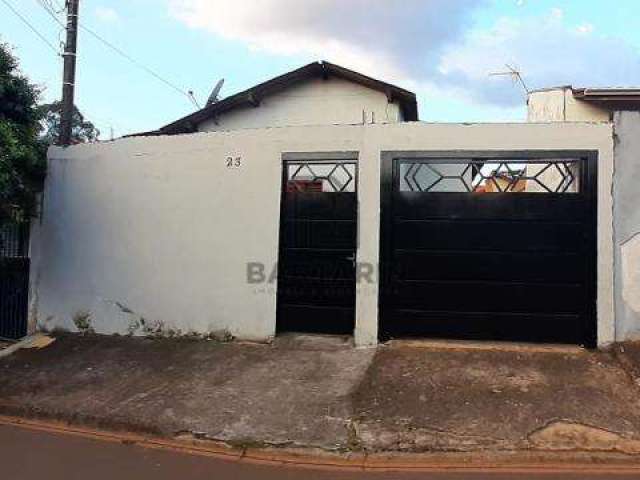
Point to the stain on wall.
(626, 192)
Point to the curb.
(496, 462)
(14, 347)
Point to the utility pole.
(69, 75)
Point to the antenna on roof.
(213, 98)
(515, 75)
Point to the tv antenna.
(214, 97)
(514, 74)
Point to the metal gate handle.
(352, 259)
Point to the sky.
(444, 50)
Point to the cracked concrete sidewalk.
(321, 392)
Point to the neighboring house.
(319, 93)
(504, 182)
(621, 108)
(568, 104)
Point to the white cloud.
(393, 38)
(546, 50)
(429, 45)
(107, 14)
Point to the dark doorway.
(489, 245)
(14, 279)
(318, 236)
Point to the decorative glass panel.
(329, 177)
(490, 176)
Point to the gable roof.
(253, 96)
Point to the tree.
(22, 152)
(82, 130)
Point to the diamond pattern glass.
(327, 177)
(490, 176)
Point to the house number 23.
(233, 162)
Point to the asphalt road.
(28, 455)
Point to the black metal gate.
(14, 279)
(318, 231)
(489, 245)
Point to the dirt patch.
(426, 399)
(574, 436)
(628, 354)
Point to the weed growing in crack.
(82, 321)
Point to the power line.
(119, 51)
(61, 8)
(53, 13)
(31, 27)
(50, 10)
(135, 62)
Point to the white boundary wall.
(161, 228)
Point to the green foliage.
(26, 131)
(22, 152)
(82, 130)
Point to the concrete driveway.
(321, 392)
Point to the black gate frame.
(347, 156)
(589, 188)
(14, 283)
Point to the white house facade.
(235, 220)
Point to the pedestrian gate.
(318, 231)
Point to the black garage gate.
(489, 245)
